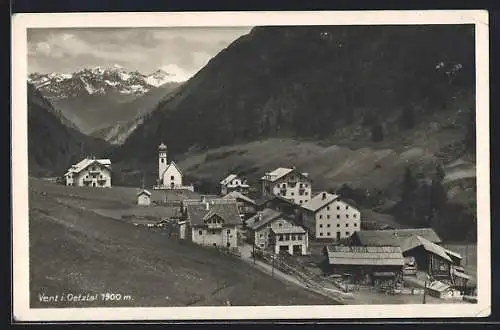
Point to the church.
(169, 175)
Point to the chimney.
(293, 167)
(259, 218)
(324, 196)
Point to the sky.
(179, 50)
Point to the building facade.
(259, 227)
(287, 183)
(144, 197)
(233, 183)
(89, 172)
(327, 216)
(213, 223)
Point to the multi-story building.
(270, 229)
(287, 183)
(233, 183)
(327, 216)
(212, 223)
(89, 172)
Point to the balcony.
(214, 225)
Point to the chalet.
(259, 227)
(327, 216)
(287, 183)
(391, 237)
(431, 258)
(233, 183)
(144, 197)
(89, 172)
(213, 223)
(271, 229)
(372, 264)
(246, 205)
(169, 175)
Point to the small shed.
(144, 197)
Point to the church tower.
(162, 160)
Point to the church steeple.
(162, 160)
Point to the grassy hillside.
(53, 146)
(74, 249)
(312, 82)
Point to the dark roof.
(267, 215)
(237, 195)
(365, 255)
(394, 237)
(263, 200)
(417, 241)
(226, 209)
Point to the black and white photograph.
(250, 165)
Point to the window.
(328, 225)
(261, 235)
(320, 234)
(300, 201)
(305, 185)
(338, 216)
(293, 194)
(347, 225)
(347, 207)
(293, 237)
(328, 216)
(261, 245)
(328, 208)
(301, 193)
(321, 216)
(355, 225)
(328, 234)
(280, 237)
(200, 232)
(338, 207)
(299, 237)
(163, 160)
(347, 216)
(354, 215)
(320, 226)
(338, 225)
(283, 185)
(229, 231)
(287, 237)
(228, 244)
(306, 193)
(215, 244)
(347, 233)
(171, 177)
(301, 185)
(280, 225)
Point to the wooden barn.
(391, 237)
(366, 264)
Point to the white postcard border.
(20, 23)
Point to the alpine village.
(247, 186)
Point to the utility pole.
(253, 246)
(272, 269)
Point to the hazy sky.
(178, 50)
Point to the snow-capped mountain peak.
(98, 81)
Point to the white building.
(327, 216)
(89, 172)
(233, 183)
(144, 197)
(169, 175)
(287, 183)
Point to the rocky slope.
(92, 98)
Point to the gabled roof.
(236, 195)
(319, 201)
(144, 192)
(276, 174)
(262, 218)
(228, 179)
(365, 255)
(172, 163)
(86, 162)
(417, 241)
(226, 209)
(394, 237)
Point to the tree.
(409, 183)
